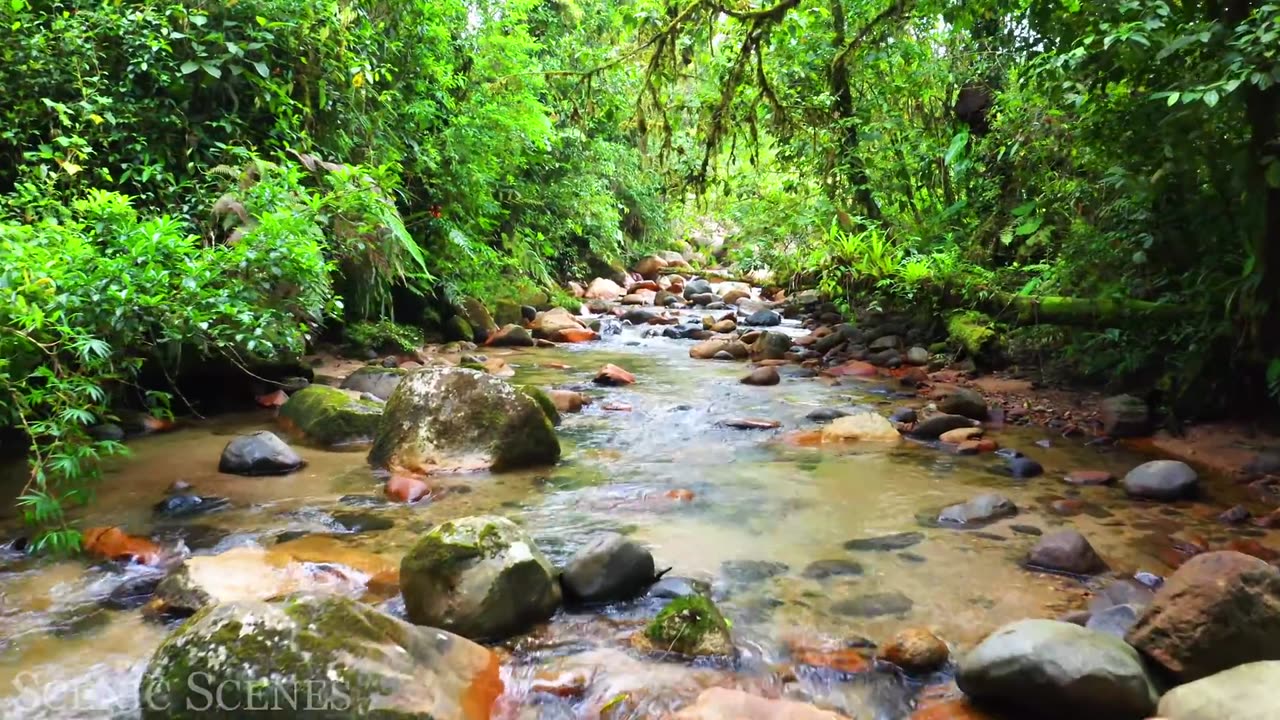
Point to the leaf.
(1030, 226)
(189, 67)
(262, 69)
(1211, 97)
(213, 70)
(1273, 174)
(199, 20)
(1173, 98)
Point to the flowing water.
(745, 511)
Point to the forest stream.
(760, 516)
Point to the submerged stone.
(875, 605)
(886, 543)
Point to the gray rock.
(339, 657)
(458, 419)
(762, 377)
(704, 299)
(903, 415)
(979, 511)
(932, 427)
(670, 588)
(1164, 480)
(763, 318)
(1054, 669)
(1125, 591)
(1066, 551)
(1125, 416)
(770, 346)
(917, 356)
(184, 505)
(885, 358)
(696, 287)
(639, 316)
(964, 402)
(611, 568)
(481, 577)
(1115, 620)
(1024, 467)
(1245, 692)
(259, 453)
(826, 414)
(885, 342)
(836, 567)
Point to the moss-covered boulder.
(451, 419)
(481, 577)
(375, 380)
(315, 657)
(457, 328)
(690, 625)
(330, 417)
(544, 401)
(976, 334)
(478, 317)
(507, 312)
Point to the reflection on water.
(703, 497)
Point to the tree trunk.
(847, 131)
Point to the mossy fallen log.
(1090, 312)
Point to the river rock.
(1219, 610)
(864, 426)
(1116, 620)
(826, 414)
(1164, 480)
(917, 356)
(885, 342)
(762, 376)
(728, 704)
(965, 403)
(671, 587)
(511, 336)
(330, 417)
(697, 287)
(875, 605)
(835, 567)
(611, 568)
(932, 427)
(377, 381)
(478, 317)
(763, 318)
(481, 577)
(259, 453)
(554, 323)
(457, 419)
(982, 510)
(603, 289)
(1054, 669)
(1090, 477)
(708, 349)
(770, 346)
(1246, 692)
(1066, 551)
(904, 415)
(184, 505)
(1023, 467)
(733, 295)
(691, 625)
(325, 656)
(567, 401)
(613, 376)
(1125, 416)
(886, 543)
(916, 650)
(960, 435)
(649, 267)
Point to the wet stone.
(886, 543)
(911, 557)
(188, 505)
(669, 588)
(363, 500)
(749, 571)
(823, 569)
(826, 414)
(903, 415)
(1031, 530)
(133, 593)
(875, 605)
(357, 522)
(1024, 467)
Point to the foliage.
(384, 334)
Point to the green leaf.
(189, 67)
(1211, 97)
(1173, 98)
(213, 70)
(262, 69)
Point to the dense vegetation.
(202, 179)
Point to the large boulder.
(443, 419)
(1246, 692)
(511, 335)
(770, 346)
(1051, 669)
(982, 510)
(330, 417)
(1125, 416)
(478, 317)
(864, 426)
(963, 402)
(604, 289)
(554, 323)
(762, 318)
(375, 380)
(481, 577)
(649, 267)
(697, 287)
(1066, 551)
(1164, 480)
(259, 453)
(611, 568)
(1219, 610)
(315, 656)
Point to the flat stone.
(875, 605)
(981, 510)
(886, 543)
(1164, 480)
(823, 569)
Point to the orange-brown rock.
(406, 488)
(681, 495)
(853, 368)
(613, 375)
(957, 709)
(570, 684)
(574, 335)
(112, 543)
(916, 650)
(272, 399)
(1090, 477)
(846, 660)
(567, 401)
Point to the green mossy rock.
(975, 333)
(507, 312)
(481, 577)
(478, 317)
(459, 329)
(313, 657)
(330, 417)
(450, 419)
(537, 395)
(690, 625)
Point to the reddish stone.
(853, 368)
(614, 375)
(1090, 477)
(1067, 508)
(557, 366)
(574, 335)
(681, 495)
(645, 285)
(916, 650)
(803, 438)
(958, 709)
(486, 687)
(153, 424)
(845, 660)
(617, 407)
(273, 399)
(112, 543)
(570, 684)
(912, 376)
(805, 341)
(1271, 521)
(407, 488)
(385, 583)
(1252, 547)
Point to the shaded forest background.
(236, 180)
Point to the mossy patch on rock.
(330, 417)
(315, 656)
(544, 401)
(690, 625)
(450, 419)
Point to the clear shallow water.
(756, 499)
